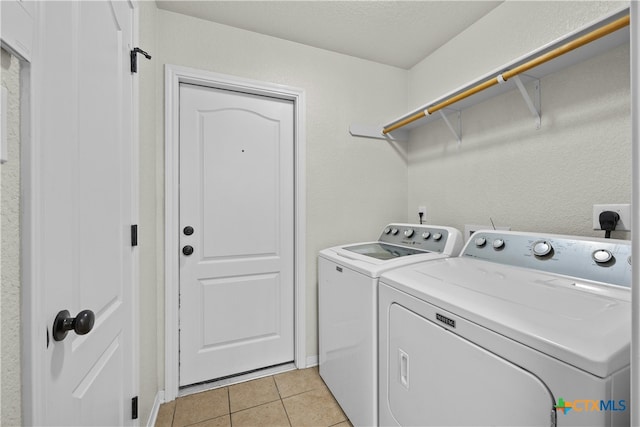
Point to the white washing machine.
(348, 303)
(520, 330)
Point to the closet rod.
(574, 44)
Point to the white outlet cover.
(623, 209)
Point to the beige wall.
(10, 250)
(354, 185)
(537, 180)
(509, 31)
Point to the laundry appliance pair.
(521, 329)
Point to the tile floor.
(294, 398)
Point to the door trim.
(174, 75)
(31, 361)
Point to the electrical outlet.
(624, 210)
(422, 214)
(469, 229)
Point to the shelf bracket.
(457, 133)
(533, 105)
(375, 132)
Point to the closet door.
(83, 256)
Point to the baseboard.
(153, 416)
(312, 361)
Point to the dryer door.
(437, 378)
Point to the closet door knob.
(187, 250)
(81, 324)
(188, 230)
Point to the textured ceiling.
(398, 33)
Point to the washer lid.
(373, 266)
(382, 251)
(585, 324)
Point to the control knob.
(542, 248)
(480, 242)
(426, 235)
(602, 256)
(394, 231)
(437, 236)
(387, 230)
(498, 244)
(408, 232)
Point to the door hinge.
(134, 235)
(134, 408)
(134, 58)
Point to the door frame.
(174, 75)
(26, 46)
(19, 40)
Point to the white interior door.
(84, 256)
(236, 192)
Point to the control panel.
(600, 260)
(422, 237)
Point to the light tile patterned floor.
(294, 398)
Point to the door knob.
(81, 324)
(187, 250)
(188, 230)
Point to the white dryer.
(520, 330)
(348, 303)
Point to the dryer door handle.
(404, 368)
